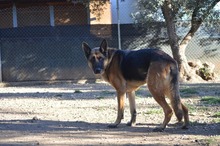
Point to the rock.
(204, 70)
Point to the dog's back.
(134, 64)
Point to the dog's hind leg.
(166, 109)
(186, 117)
(158, 84)
(181, 111)
(121, 98)
(132, 104)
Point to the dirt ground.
(78, 114)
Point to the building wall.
(70, 14)
(32, 15)
(64, 13)
(6, 18)
(43, 14)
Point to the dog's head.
(97, 57)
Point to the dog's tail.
(175, 94)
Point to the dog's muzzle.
(98, 71)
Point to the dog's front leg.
(121, 102)
(132, 104)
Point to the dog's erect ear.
(104, 46)
(86, 49)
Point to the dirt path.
(78, 114)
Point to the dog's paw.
(113, 126)
(185, 127)
(158, 129)
(131, 124)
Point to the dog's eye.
(93, 58)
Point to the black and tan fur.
(126, 71)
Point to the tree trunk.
(182, 48)
(202, 6)
(178, 50)
(173, 38)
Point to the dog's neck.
(111, 54)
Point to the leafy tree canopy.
(96, 7)
(182, 10)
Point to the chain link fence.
(42, 41)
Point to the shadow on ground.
(47, 126)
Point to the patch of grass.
(194, 109)
(203, 108)
(137, 97)
(208, 141)
(108, 92)
(216, 115)
(191, 108)
(100, 97)
(78, 91)
(211, 100)
(189, 91)
(58, 95)
(142, 92)
(139, 91)
(217, 120)
(153, 111)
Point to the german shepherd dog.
(127, 70)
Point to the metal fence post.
(14, 13)
(52, 23)
(119, 31)
(0, 60)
